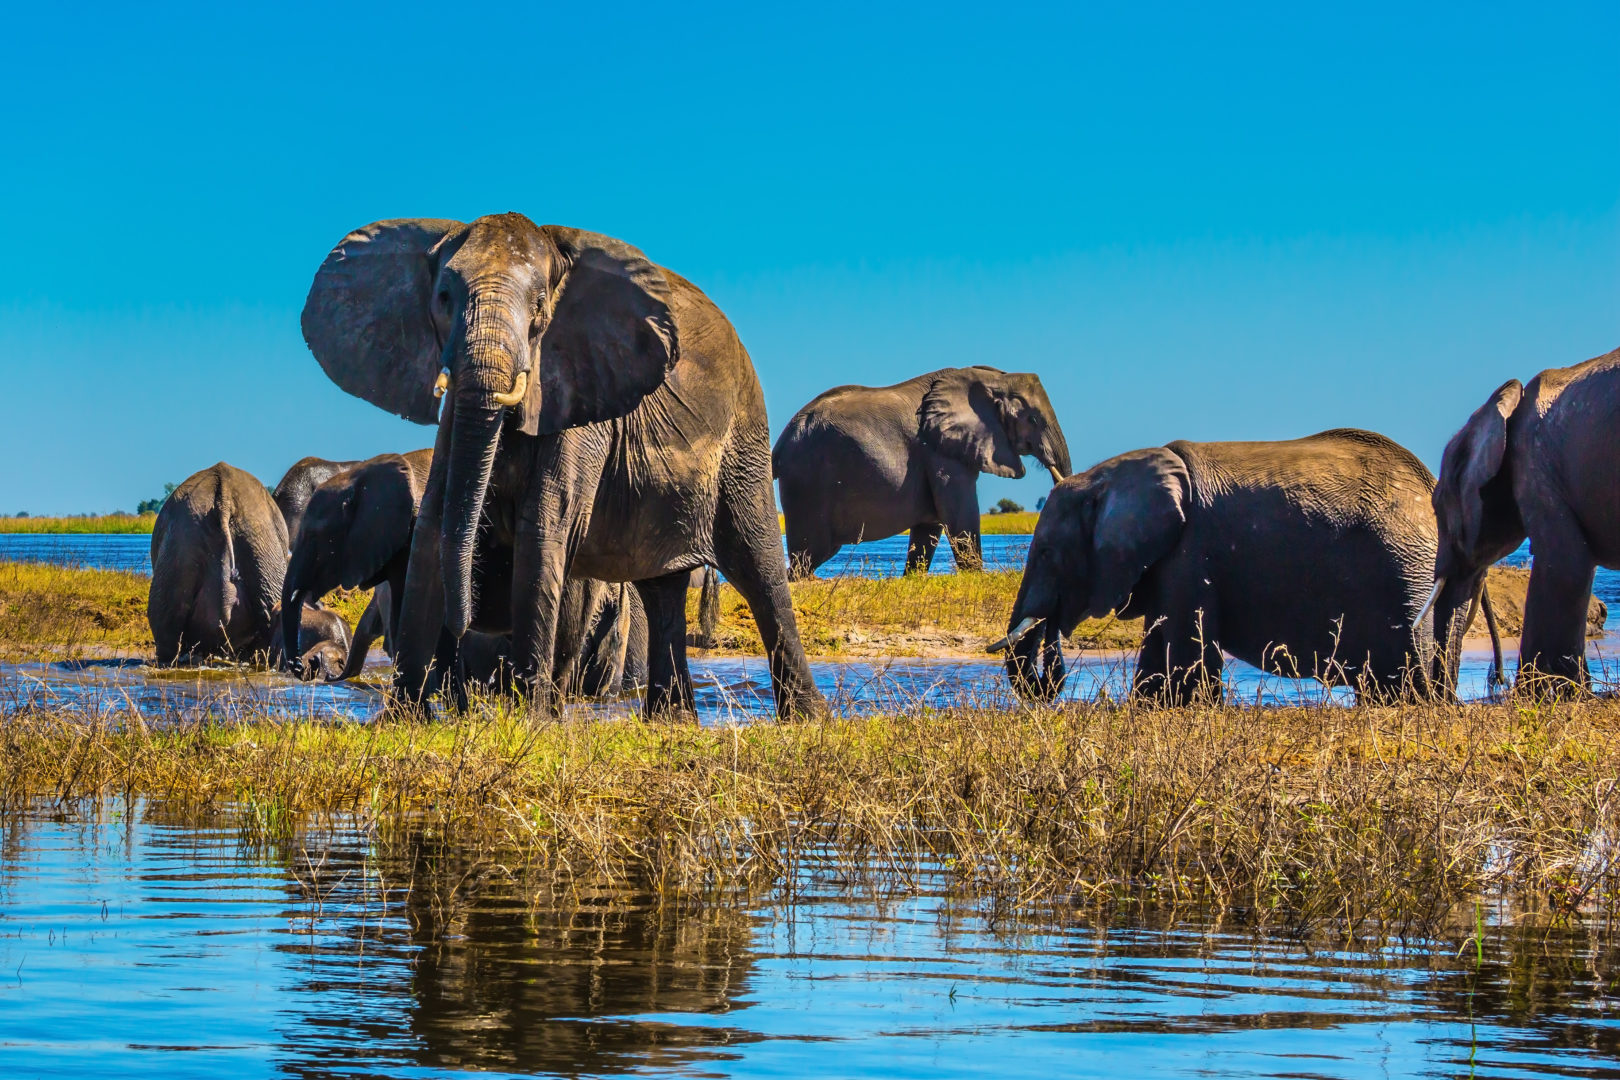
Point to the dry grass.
(917, 615)
(89, 523)
(1368, 822)
(69, 612)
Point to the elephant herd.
(601, 435)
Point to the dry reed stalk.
(1376, 821)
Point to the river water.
(133, 943)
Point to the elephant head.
(355, 524)
(1097, 536)
(543, 326)
(990, 419)
(1478, 518)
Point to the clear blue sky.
(1193, 223)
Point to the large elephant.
(1539, 461)
(356, 533)
(1310, 557)
(298, 484)
(603, 420)
(864, 462)
(219, 552)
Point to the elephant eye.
(444, 298)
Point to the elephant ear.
(612, 338)
(1140, 517)
(1474, 457)
(960, 418)
(367, 317)
(387, 494)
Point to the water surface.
(136, 944)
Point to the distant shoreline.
(1018, 524)
(88, 524)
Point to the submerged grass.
(88, 523)
(1368, 822)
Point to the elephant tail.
(1498, 676)
(230, 578)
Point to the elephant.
(219, 552)
(863, 462)
(323, 638)
(293, 491)
(357, 534)
(1536, 461)
(1308, 557)
(601, 420)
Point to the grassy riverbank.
(89, 523)
(1374, 822)
(53, 612)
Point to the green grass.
(90, 523)
(1019, 524)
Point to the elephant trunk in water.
(295, 586)
(1034, 631)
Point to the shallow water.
(726, 689)
(132, 944)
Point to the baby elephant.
(1310, 557)
(324, 638)
(219, 552)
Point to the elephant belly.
(1340, 603)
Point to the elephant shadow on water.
(601, 420)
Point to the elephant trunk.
(1034, 644)
(491, 377)
(1055, 452)
(294, 587)
(1455, 601)
(472, 457)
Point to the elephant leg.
(745, 551)
(419, 617)
(1180, 659)
(956, 498)
(635, 642)
(539, 578)
(669, 682)
(920, 551)
(601, 662)
(579, 613)
(370, 627)
(1552, 648)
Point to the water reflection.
(133, 942)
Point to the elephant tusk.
(520, 386)
(1057, 474)
(442, 383)
(1439, 583)
(1014, 636)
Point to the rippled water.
(133, 944)
(726, 688)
